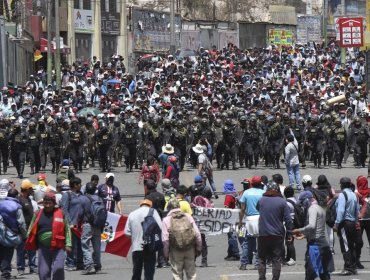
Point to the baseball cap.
(198, 179)
(65, 162)
(41, 177)
(51, 196)
(306, 179)
(26, 185)
(109, 175)
(246, 181)
(256, 180)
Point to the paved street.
(120, 268)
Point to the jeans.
(6, 255)
(233, 247)
(21, 258)
(144, 259)
(294, 175)
(75, 259)
(249, 247)
(91, 234)
(290, 250)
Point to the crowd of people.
(243, 102)
(227, 108)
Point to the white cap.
(109, 175)
(306, 179)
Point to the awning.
(44, 47)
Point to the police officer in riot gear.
(54, 143)
(4, 146)
(104, 140)
(19, 141)
(339, 136)
(34, 147)
(76, 145)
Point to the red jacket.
(57, 236)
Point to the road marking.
(227, 276)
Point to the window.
(102, 5)
(112, 6)
(76, 4)
(86, 5)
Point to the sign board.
(281, 37)
(351, 32)
(309, 29)
(110, 23)
(214, 221)
(84, 21)
(151, 30)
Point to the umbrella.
(113, 81)
(88, 110)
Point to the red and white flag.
(113, 239)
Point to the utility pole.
(325, 22)
(57, 45)
(49, 54)
(343, 50)
(122, 39)
(3, 58)
(172, 28)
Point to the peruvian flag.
(113, 239)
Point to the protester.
(72, 205)
(181, 255)
(345, 225)
(94, 181)
(318, 258)
(274, 224)
(28, 210)
(172, 171)
(290, 258)
(292, 161)
(141, 258)
(364, 215)
(150, 170)
(50, 235)
(250, 215)
(158, 203)
(232, 236)
(91, 233)
(110, 194)
(181, 193)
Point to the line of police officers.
(230, 139)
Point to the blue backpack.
(99, 213)
(152, 233)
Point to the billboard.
(281, 37)
(151, 31)
(84, 21)
(110, 23)
(351, 32)
(309, 29)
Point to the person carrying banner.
(250, 214)
(181, 241)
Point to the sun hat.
(168, 149)
(198, 149)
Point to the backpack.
(208, 168)
(62, 175)
(181, 232)
(99, 213)
(299, 215)
(331, 210)
(152, 233)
